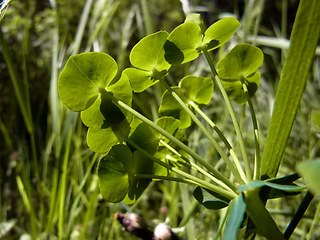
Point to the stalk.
(218, 82)
(179, 144)
(223, 138)
(215, 144)
(225, 193)
(257, 162)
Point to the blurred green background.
(48, 181)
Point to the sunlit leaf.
(235, 89)
(140, 80)
(220, 32)
(197, 89)
(183, 42)
(101, 140)
(83, 77)
(240, 66)
(170, 107)
(148, 53)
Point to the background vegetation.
(48, 181)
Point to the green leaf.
(170, 107)
(309, 171)
(148, 53)
(169, 124)
(145, 138)
(240, 66)
(82, 78)
(241, 62)
(208, 200)
(238, 209)
(117, 172)
(113, 175)
(183, 42)
(197, 89)
(260, 216)
(258, 184)
(101, 140)
(142, 165)
(140, 80)
(303, 42)
(103, 112)
(197, 19)
(235, 90)
(220, 32)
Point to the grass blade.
(304, 39)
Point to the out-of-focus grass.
(48, 182)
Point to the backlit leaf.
(220, 32)
(82, 78)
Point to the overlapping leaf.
(186, 41)
(147, 56)
(191, 88)
(239, 67)
(83, 77)
(118, 169)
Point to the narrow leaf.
(304, 40)
(238, 209)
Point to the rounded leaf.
(170, 107)
(183, 42)
(242, 61)
(197, 89)
(145, 138)
(220, 32)
(148, 53)
(140, 80)
(101, 140)
(235, 89)
(113, 175)
(82, 78)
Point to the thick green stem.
(179, 144)
(215, 144)
(218, 82)
(257, 162)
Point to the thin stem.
(193, 165)
(225, 193)
(223, 138)
(215, 144)
(232, 115)
(257, 162)
(179, 144)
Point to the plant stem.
(223, 138)
(257, 162)
(215, 144)
(188, 177)
(179, 144)
(299, 214)
(195, 166)
(218, 82)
